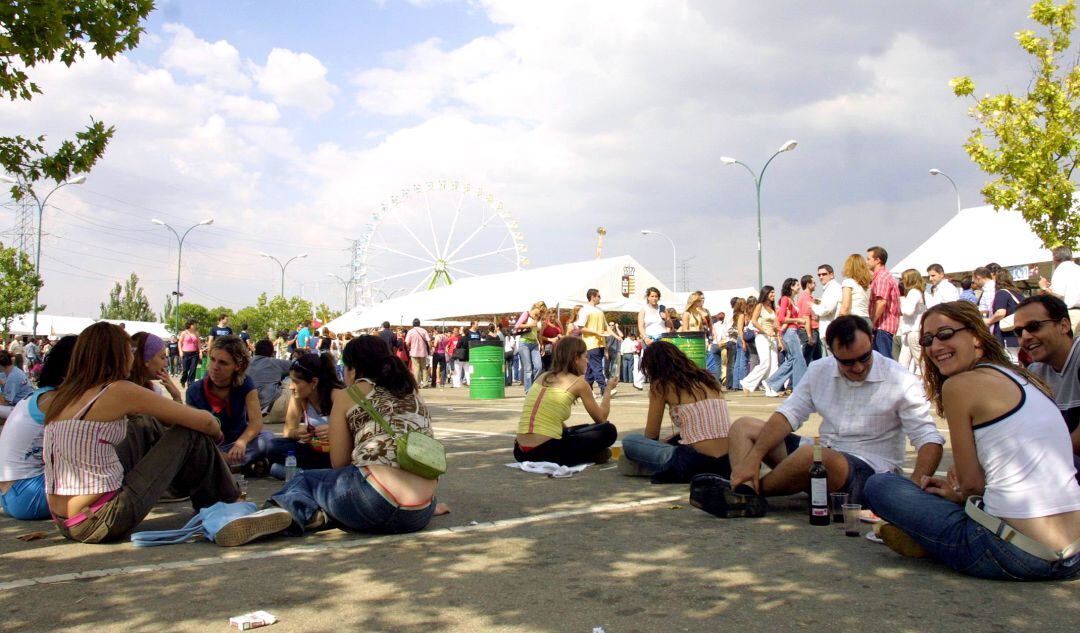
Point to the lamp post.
(674, 259)
(41, 202)
(727, 160)
(343, 283)
(179, 254)
(283, 266)
(937, 172)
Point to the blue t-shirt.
(16, 386)
(220, 330)
(35, 412)
(232, 415)
(302, 338)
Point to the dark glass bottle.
(819, 489)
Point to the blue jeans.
(952, 537)
(794, 365)
(626, 373)
(741, 366)
(25, 499)
(529, 353)
(652, 454)
(257, 448)
(883, 343)
(306, 457)
(346, 497)
(595, 373)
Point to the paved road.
(520, 552)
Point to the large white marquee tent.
(56, 325)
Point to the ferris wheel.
(432, 233)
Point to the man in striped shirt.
(884, 301)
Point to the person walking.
(912, 307)
(767, 342)
(190, 352)
(855, 289)
(526, 329)
(593, 325)
(791, 323)
(418, 344)
(884, 301)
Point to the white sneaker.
(769, 393)
(257, 524)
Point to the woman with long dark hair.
(151, 363)
(790, 323)
(1009, 508)
(22, 465)
(542, 434)
(366, 490)
(313, 380)
(766, 340)
(93, 497)
(190, 352)
(695, 402)
(741, 366)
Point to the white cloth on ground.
(551, 469)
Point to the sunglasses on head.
(848, 362)
(300, 369)
(944, 334)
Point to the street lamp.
(283, 267)
(937, 172)
(179, 253)
(41, 202)
(674, 259)
(727, 160)
(344, 283)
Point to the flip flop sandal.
(713, 494)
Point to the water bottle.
(290, 466)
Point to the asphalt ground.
(520, 552)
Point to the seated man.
(867, 403)
(267, 373)
(16, 386)
(1046, 333)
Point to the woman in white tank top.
(652, 323)
(1013, 472)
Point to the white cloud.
(296, 79)
(218, 63)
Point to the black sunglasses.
(848, 362)
(1034, 326)
(944, 334)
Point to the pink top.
(188, 342)
(80, 455)
(884, 287)
(701, 420)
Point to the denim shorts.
(858, 472)
(25, 499)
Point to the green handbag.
(417, 453)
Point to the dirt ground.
(520, 552)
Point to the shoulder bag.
(417, 453)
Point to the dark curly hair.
(370, 357)
(668, 368)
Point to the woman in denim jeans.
(366, 490)
(1012, 475)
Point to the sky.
(291, 124)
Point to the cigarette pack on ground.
(252, 620)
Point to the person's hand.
(779, 345)
(167, 382)
(322, 432)
(1044, 283)
(237, 452)
(946, 488)
(614, 382)
(303, 434)
(748, 472)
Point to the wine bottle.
(819, 489)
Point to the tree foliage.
(18, 283)
(1034, 138)
(127, 302)
(42, 31)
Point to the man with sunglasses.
(826, 307)
(868, 404)
(1042, 321)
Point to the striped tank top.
(701, 420)
(80, 455)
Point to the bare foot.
(441, 509)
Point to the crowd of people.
(107, 432)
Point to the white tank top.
(1026, 457)
(654, 323)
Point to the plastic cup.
(852, 524)
(837, 501)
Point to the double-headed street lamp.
(41, 202)
(727, 160)
(345, 283)
(674, 259)
(937, 172)
(179, 254)
(283, 266)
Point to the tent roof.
(974, 237)
(56, 325)
(561, 284)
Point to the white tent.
(975, 237)
(56, 325)
(621, 281)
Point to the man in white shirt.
(1065, 283)
(867, 402)
(719, 350)
(826, 307)
(941, 289)
(982, 279)
(418, 344)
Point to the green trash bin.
(200, 371)
(487, 381)
(691, 343)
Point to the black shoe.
(713, 494)
(258, 469)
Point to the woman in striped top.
(698, 411)
(92, 494)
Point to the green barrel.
(487, 381)
(690, 343)
(203, 366)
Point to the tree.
(1036, 136)
(127, 302)
(18, 283)
(168, 314)
(197, 313)
(41, 31)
